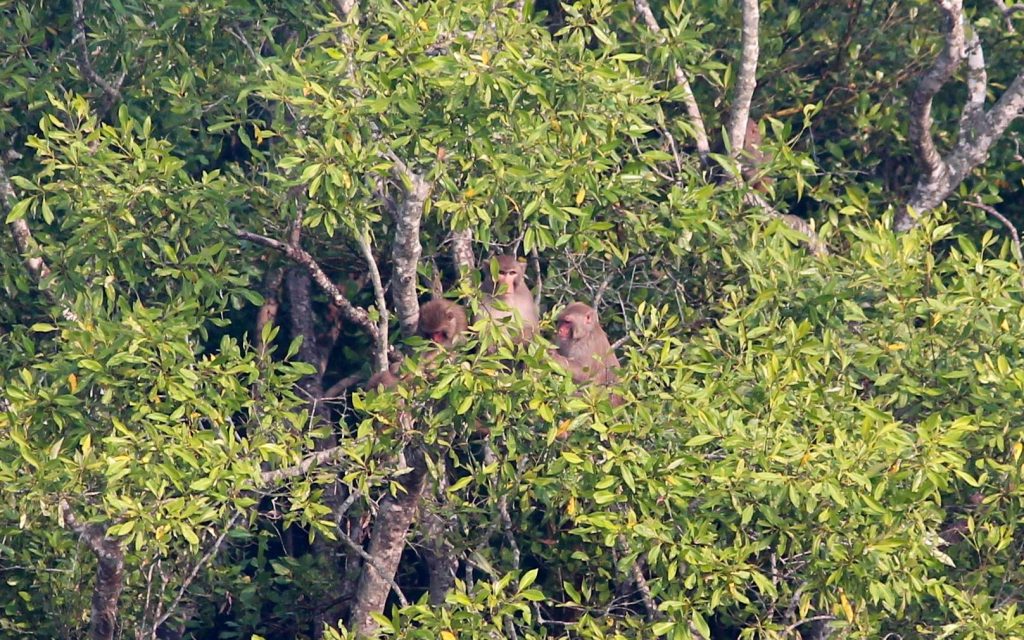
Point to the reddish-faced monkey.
(442, 321)
(583, 347)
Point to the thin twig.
(1014, 235)
(210, 553)
(380, 350)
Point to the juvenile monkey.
(510, 288)
(754, 158)
(583, 347)
(442, 321)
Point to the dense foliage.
(809, 445)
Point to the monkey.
(583, 347)
(387, 379)
(754, 158)
(442, 321)
(510, 288)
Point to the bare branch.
(109, 573)
(791, 628)
(746, 77)
(334, 391)
(1014, 235)
(977, 83)
(931, 83)
(692, 108)
(1008, 13)
(359, 551)
(380, 351)
(112, 92)
(300, 256)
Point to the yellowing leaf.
(1017, 448)
(447, 635)
(73, 382)
(847, 607)
(581, 195)
(896, 346)
(485, 56)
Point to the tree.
(223, 217)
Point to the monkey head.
(510, 276)
(576, 322)
(442, 321)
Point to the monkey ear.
(448, 313)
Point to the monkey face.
(441, 322)
(507, 279)
(565, 330)
(442, 337)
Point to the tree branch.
(406, 251)
(300, 256)
(696, 120)
(210, 553)
(1014, 235)
(746, 77)
(78, 40)
(978, 130)
(387, 543)
(109, 574)
(380, 350)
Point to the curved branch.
(978, 130)
(931, 83)
(300, 256)
(78, 40)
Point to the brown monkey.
(753, 158)
(442, 321)
(510, 288)
(583, 347)
(386, 379)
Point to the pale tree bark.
(746, 77)
(978, 129)
(406, 252)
